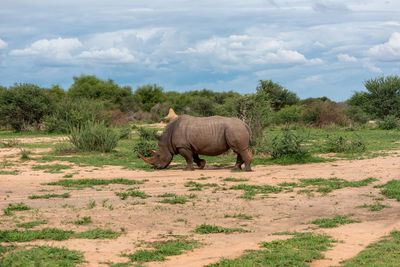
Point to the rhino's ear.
(157, 137)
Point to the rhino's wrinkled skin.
(192, 136)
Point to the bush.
(356, 114)
(93, 136)
(324, 113)
(146, 142)
(390, 122)
(286, 144)
(341, 144)
(288, 114)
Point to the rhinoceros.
(193, 136)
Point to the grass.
(54, 168)
(15, 207)
(47, 196)
(83, 221)
(214, 229)
(382, 253)
(198, 186)
(14, 172)
(28, 225)
(231, 179)
(162, 250)
(175, 200)
(391, 189)
(300, 250)
(374, 207)
(334, 222)
(54, 234)
(132, 193)
(239, 216)
(252, 190)
(82, 183)
(43, 256)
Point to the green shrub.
(390, 122)
(356, 114)
(342, 144)
(288, 114)
(94, 136)
(146, 142)
(286, 144)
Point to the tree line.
(26, 106)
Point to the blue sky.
(313, 48)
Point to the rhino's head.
(161, 158)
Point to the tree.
(382, 97)
(90, 87)
(149, 95)
(24, 105)
(277, 96)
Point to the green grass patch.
(15, 207)
(374, 207)
(54, 234)
(253, 190)
(334, 222)
(231, 179)
(13, 172)
(382, 253)
(28, 225)
(132, 193)
(167, 195)
(163, 249)
(300, 250)
(198, 186)
(82, 183)
(83, 221)
(175, 200)
(391, 189)
(55, 168)
(214, 229)
(239, 216)
(43, 256)
(47, 196)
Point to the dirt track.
(153, 221)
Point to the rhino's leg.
(200, 162)
(247, 159)
(239, 162)
(188, 155)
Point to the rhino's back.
(211, 135)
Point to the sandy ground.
(154, 221)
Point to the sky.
(314, 48)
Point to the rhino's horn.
(148, 160)
(152, 152)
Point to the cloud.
(346, 58)
(387, 51)
(110, 55)
(329, 6)
(59, 49)
(3, 45)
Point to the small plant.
(84, 220)
(231, 179)
(374, 207)
(9, 143)
(239, 216)
(391, 189)
(212, 229)
(132, 193)
(92, 204)
(93, 136)
(175, 200)
(390, 122)
(287, 144)
(64, 148)
(198, 186)
(82, 183)
(56, 168)
(25, 154)
(333, 222)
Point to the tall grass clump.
(390, 122)
(93, 136)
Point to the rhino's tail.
(251, 141)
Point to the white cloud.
(329, 6)
(111, 55)
(346, 58)
(59, 48)
(389, 50)
(3, 45)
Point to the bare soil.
(153, 221)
